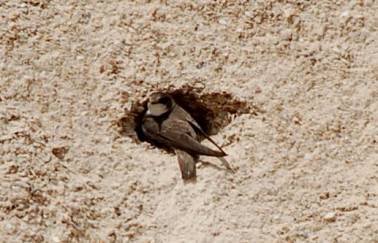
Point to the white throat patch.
(156, 109)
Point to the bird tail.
(187, 165)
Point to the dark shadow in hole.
(191, 103)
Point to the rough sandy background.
(307, 163)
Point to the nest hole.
(212, 111)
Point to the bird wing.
(198, 128)
(186, 116)
(177, 134)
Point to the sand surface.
(307, 161)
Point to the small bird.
(167, 123)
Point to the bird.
(167, 123)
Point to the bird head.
(159, 104)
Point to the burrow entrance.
(212, 110)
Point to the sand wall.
(307, 162)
